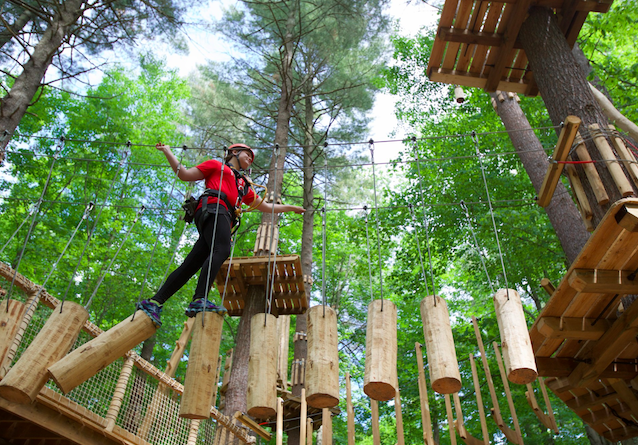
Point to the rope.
(97, 286)
(418, 245)
(374, 182)
(35, 214)
(323, 246)
(26, 218)
(271, 285)
(161, 228)
(478, 251)
(168, 266)
(87, 210)
(489, 201)
(365, 208)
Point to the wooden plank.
(550, 411)
(479, 401)
(603, 281)
(564, 366)
(460, 22)
(456, 35)
(508, 393)
(450, 419)
(250, 423)
(503, 52)
(460, 426)
(627, 218)
(531, 400)
(471, 80)
(466, 51)
(478, 61)
(426, 421)
(519, 67)
(438, 48)
(626, 393)
(573, 328)
(563, 146)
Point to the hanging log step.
(289, 283)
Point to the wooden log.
(11, 314)
(95, 355)
(261, 394)
(426, 421)
(283, 333)
(381, 351)
(309, 431)
(201, 374)
(399, 416)
(548, 286)
(303, 415)
(592, 174)
(118, 394)
(581, 197)
(326, 426)
(374, 410)
(349, 411)
(616, 171)
(31, 305)
(439, 344)
(280, 421)
(322, 367)
(628, 158)
(517, 346)
(26, 378)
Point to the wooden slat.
(446, 20)
(460, 22)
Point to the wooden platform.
(289, 294)
(584, 341)
(476, 42)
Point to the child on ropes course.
(216, 215)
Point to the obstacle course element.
(479, 48)
(289, 289)
(517, 347)
(582, 344)
(261, 394)
(87, 360)
(26, 378)
(11, 314)
(439, 344)
(322, 366)
(201, 374)
(381, 351)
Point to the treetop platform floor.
(584, 340)
(476, 42)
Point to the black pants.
(199, 256)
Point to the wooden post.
(479, 401)
(280, 421)
(95, 355)
(11, 314)
(26, 378)
(581, 197)
(450, 419)
(381, 351)
(517, 346)
(193, 431)
(322, 367)
(426, 421)
(31, 305)
(439, 344)
(261, 395)
(350, 411)
(326, 430)
(201, 373)
(376, 437)
(171, 369)
(309, 431)
(283, 333)
(399, 417)
(508, 394)
(616, 171)
(118, 394)
(629, 160)
(303, 415)
(592, 174)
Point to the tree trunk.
(301, 344)
(15, 103)
(565, 91)
(238, 380)
(562, 211)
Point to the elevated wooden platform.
(289, 294)
(584, 340)
(476, 43)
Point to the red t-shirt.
(212, 171)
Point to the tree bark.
(238, 380)
(565, 91)
(15, 103)
(562, 211)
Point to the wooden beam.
(572, 328)
(469, 37)
(627, 217)
(426, 421)
(531, 399)
(601, 281)
(250, 423)
(454, 77)
(563, 146)
(508, 394)
(626, 393)
(548, 286)
(548, 404)
(563, 366)
(459, 424)
(450, 419)
(509, 39)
